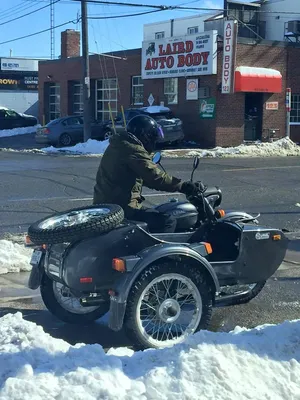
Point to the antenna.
(52, 37)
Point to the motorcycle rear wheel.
(66, 307)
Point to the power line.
(116, 3)
(31, 12)
(39, 32)
(15, 10)
(125, 16)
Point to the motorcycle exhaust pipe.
(92, 301)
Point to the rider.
(127, 165)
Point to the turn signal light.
(276, 237)
(119, 265)
(220, 213)
(208, 248)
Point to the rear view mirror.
(196, 162)
(156, 158)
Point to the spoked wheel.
(167, 304)
(65, 306)
(76, 224)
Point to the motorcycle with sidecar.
(160, 287)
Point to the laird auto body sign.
(173, 57)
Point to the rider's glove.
(189, 188)
(200, 186)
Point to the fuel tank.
(185, 213)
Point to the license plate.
(36, 257)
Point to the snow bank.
(283, 147)
(14, 257)
(262, 363)
(89, 147)
(18, 131)
(280, 148)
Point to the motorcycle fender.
(138, 264)
(238, 215)
(35, 277)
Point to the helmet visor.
(160, 133)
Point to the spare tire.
(76, 224)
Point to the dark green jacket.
(125, 167)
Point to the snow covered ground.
(263, 363)
(18, 131)
(283, 147)
(14, 257)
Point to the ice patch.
(262, 363)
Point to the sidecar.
(160, 287)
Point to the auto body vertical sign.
(229, 55)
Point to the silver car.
(67, 131)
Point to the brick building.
(117, 79)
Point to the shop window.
(171, 90)
(54, 101)
(192, 30)
(203, 92)
(159, 35)
(106, 98)
(137, 90)
(77, 99)
(295, 110)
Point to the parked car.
(10, 119)
(66, 131)
(171, 126)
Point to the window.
(10, 114)
(106, 99)
(295, 111)
(159, 35)
(77, 98)
(137, 90)
(171, 90)
(54, 102)
(192, 30)
(203, 92)
(73, 121)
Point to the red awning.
(250, 79)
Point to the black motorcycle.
(160, 287)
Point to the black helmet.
(146, 129)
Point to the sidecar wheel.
(76, 224)
(167, 304)
(67, 308)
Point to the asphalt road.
(33, 186)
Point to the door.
(253, 116)
(13, 120)
(75, 128)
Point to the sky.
(104, 35)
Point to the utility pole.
(86, 72)
(225, 10)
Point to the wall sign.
(192, 89)
(180, 56)
(19, 82)
(229, 56)
(208, 108)
(15, 64)
(272, 105)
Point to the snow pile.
(89, 147)
(280, 148)
(18, 131)
(14, 257)
(283, 147)
(262, 363)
